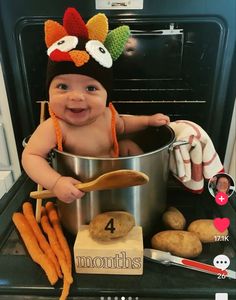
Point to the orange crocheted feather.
(53, 32)
(98, 27)
(57, 129)
(113, 130)
(79, 57)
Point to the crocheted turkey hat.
(87, 49)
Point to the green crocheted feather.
(116, 40)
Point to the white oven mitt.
(193, 162)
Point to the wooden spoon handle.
(38, 204)
(45, 194)
(39, 187)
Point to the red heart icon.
(221, 224)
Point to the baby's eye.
(91, 88)
(62, 86)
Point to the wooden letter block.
(123, 256)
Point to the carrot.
(43, 243)
(54, 219)
(33, 248)
(65, 290)
(53, 241)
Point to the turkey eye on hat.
(87, 49)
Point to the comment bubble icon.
(221, 262)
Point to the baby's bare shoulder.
(43, 135)
(43, 129)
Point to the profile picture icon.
(221, 183)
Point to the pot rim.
(172, 139)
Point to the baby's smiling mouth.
(77, 110)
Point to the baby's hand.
(65, 190)
(158, 120)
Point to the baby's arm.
(132, 123)
(34, 161)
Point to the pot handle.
(177, 143)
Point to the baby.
(79, 82)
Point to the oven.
(179, 60)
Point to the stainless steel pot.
(145, 202)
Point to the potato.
(177, 242)
(111, 225)
(173, 219)
(206, 230)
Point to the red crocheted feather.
(74, 24)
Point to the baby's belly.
(100, 153)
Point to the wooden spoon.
(39, 187)
(111, 180)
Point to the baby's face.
(77, 99)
